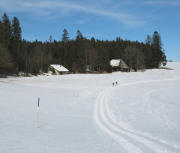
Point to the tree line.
(19, 55)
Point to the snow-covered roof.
(115, 62)
(59, 68)
(118, 63)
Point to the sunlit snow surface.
(83, 113)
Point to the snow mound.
(173, 65)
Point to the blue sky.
(103, 19)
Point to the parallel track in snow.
(129, 139)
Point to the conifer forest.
(19, 55)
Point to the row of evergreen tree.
(17, 55)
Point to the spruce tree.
(148, 40)
(50, 39)
(16, 42)
(16, 30)
(5, 60)
(158, 55)
(65, 36)
(156, 40)
(79, 35)
(6, 26)
(1, 32)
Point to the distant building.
(58, 69)
(92, 68)
(119, 65)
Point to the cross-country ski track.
(130, 139)
(85, 113)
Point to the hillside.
(84, 113)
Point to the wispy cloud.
(47, 7)
(79, 21)
(151, 2)
(163, 2)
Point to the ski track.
(129, 139)
(155, 113)
(101, 122)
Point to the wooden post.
(37, 120)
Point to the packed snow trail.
(103, 123)
(140, 115)
(130, 140)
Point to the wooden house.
(119, 65)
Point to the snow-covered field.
(83, 113)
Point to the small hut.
(119, 65)
(58, 69)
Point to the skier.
(113, 84)
(116, 83)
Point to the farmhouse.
(58, 69)
(119, 65)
